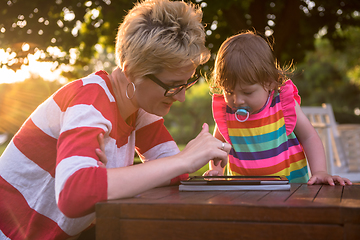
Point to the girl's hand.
(324, 177)
(100, 152)
(211, 173)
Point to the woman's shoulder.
(98, 78)
(90, 90)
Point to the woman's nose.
(180, 96)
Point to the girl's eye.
(248, 93)
(228, 92)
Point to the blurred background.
(47, 43)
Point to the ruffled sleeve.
(289, 93)
(219, 114)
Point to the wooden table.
(305, 212)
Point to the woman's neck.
(119, 84)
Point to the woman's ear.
(126, 73)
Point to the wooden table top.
(333, 206)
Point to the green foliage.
(292, 24)
(84, 24)
(332, 76)
(185, 120)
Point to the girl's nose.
(238, 100)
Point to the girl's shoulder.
(219, 113)
(218, 103)
(288, 93)
(288, 89)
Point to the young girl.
(258, 113)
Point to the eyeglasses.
(173, 90)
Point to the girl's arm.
(314, 150)
(216, 170)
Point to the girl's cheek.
(229, 102)
(226, 98)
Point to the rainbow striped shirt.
(265, 144)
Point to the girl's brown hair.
(246, 58)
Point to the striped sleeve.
(152, 138)
(79, 182)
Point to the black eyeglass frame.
(176, 89)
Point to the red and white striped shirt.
(49, 174)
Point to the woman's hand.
(100, 152)
(324, 177)
(202, 149)
(128, 181)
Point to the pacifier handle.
(242, 112)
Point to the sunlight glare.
(25, 47)
(46, 70)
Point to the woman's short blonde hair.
(246, 58)
(160, 34)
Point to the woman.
(51, 176)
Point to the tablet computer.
(235, 180)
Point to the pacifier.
(242, 114)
